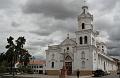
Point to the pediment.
(68, 42)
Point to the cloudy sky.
(47, 22)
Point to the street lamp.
(63, 73)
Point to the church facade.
(84, 53)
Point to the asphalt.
(41, 76)
(46, 76)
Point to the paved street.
(41, 76)
(46, 76)
(108, 76)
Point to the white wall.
(109, 65)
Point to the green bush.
(3, 67)
(25, 69)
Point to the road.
(108, 76)
(46, 76)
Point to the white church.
(84, 52)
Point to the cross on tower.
(85, 2)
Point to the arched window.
(85, 40)
(83, 25)
(81, 41)
(52, 65)
(83, 64)
(83, 55)
(67, 48)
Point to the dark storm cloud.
(64, 13)
(114, 48)
(114, 37)
(115, 34)
(59, 9)
(103, 24)
(106, 19)
(58, 25)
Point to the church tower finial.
(85, 7)
(68, 36)
(84, 2)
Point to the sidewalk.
(47, 76)
(43, 76)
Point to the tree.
(23, 53)
(10, 54)
(16, 52)
(3, 68)
(2, 57)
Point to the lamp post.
(63, 72)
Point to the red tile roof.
(37, 62)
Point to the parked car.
(118, 72)
(107, 73)
(99, 73)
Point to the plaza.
(46, 76)
(43, 76)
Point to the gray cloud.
(6, 4)
(57, 25)
(105, 18)
(15, 24)
(42, 33)
(59, 18)
(42, 43)
(59, 9)
(114, 48)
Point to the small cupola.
(85, 9)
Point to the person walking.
(78, 73)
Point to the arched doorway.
(68, 64)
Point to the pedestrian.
(78, 73)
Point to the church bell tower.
(86, 40)
(85, 33)
(85, 19)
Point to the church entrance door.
(69, 67)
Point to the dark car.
(99, 73)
